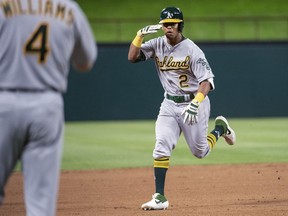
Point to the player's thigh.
(167, 134)
(196, 134)
(46, 126)
(10, 139)
(41, 158)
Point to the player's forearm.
(204, 87)
(133, 53)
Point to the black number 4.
(37, 44)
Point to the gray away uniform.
(180, 69)
(38, 39)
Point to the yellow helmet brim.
(171, 21)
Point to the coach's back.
(38, 38)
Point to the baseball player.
(187, 78)
(38, 39)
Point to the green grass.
(149, 10)
(123, 144)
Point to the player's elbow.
(133, 54)
(132, 58)
(84, 62)
(83, 67)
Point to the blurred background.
(205, 20)
(245, 42)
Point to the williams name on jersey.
(41, 7)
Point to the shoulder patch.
(204, 63)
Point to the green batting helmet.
(172, 15)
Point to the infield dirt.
(251, 189)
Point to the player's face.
(170, 30)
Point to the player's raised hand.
(150, 29)
(190, 113)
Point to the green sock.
(160, 175)
(218, 131)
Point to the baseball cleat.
(229, 135)
(158, 202)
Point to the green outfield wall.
(251, 81)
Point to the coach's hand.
(191, 113)
(150, 29)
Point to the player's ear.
(178, 27)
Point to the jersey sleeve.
(147, 49)
(202, 70)
(85, 50)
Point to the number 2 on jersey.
(37, 43)
(183, 79)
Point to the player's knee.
(200, 153)
(199, 156)
(160, 154)
(162, 149)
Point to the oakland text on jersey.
(171, 64)
(41, 7)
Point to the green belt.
(179, 99)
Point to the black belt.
(180, 99)
(24, 90)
